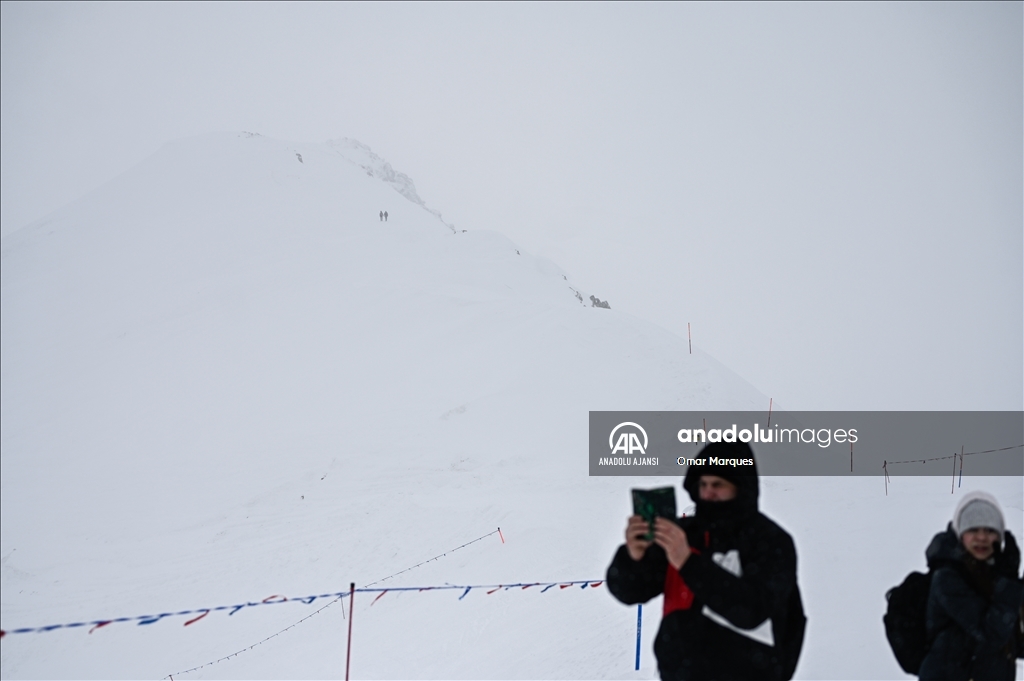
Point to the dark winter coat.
(740, 579)
(972, 612)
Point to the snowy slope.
(223, 378)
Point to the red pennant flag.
(192, 621)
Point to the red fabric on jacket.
(678, 596)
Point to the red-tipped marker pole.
(501, 535)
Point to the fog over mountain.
(225, 378)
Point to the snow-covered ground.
(224, 379)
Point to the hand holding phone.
(648, 504)
(652, 503)
(636, 533)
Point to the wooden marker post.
(952, 483)
(351, 616)
(961, 465)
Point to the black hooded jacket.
(742, 576)
(972, 612)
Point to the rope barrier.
(203, 612)
(491, 588)
(238, 652)
(441, 555)
(152, 619)
(336, 600)
(954, 456)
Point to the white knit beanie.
(978, 509)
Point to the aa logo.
(628, 442)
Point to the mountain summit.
(224, 377)
(361, 155)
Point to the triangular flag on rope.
(194, 620)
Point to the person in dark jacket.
(975, 598)
(728, 575)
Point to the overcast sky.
(830, 194)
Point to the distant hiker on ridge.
(382, 216)
(385, 216)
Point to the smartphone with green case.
(651, 503)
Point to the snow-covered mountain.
(361, 155)
(224, 378)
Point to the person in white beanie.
(978, 521)
(976, 597)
